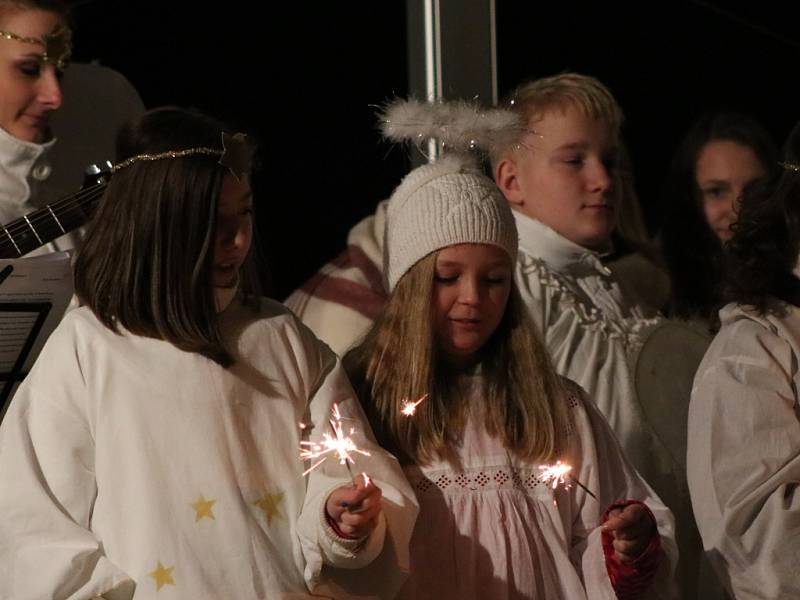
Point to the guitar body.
(44, 225)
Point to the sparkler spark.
(559, 474)
(367, 480)
(339, 444)
(409, 408)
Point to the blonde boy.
(561, 182)
(559, 178)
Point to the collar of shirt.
(560, 254)
(18, 161)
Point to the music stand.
(10, 377)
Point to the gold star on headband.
(237, 154)
(57, 45)
(790, 166)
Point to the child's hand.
(632, 530)
(355, 509)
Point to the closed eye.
(31, 69)
(496, 280)
(445, 279)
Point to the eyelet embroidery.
(483, 479)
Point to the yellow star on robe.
(202, 508)
(163, 576)
(269, 504)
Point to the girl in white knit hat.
(457, 385)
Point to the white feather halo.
(459, 125)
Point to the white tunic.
(744, 451)
(125, 461)
(490, 527)
(592, 330)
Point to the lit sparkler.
(409, 408)
(339, 444)
(559, 474)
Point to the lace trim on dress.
(525, 477)
(480, 479)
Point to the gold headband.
(57, 45)
(236, 154)
(790, 166)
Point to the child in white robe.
(457, 384)
(153, 451)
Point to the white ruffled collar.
(559, 253)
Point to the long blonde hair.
(398, 360)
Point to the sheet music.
(46, 278)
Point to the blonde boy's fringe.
(460, 126)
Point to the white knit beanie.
(443, 204)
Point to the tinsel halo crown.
(460, 126)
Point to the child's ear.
(505, 176)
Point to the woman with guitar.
(35, 47)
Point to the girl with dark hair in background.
(722, 155)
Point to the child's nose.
(228, 237)
(240, 237)
(601, 178)
(469, 291)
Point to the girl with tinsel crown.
(153, 447)
(458, 385)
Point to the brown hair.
(762, 255)
(398, 360)
(145, 263)
(692, 251)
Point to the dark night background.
(305, 76)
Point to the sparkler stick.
(409, 408)
(339, 445)
(358, 508)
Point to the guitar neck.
(44, 225)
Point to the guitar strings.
(61, 206)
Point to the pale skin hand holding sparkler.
(354, 509)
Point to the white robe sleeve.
(744, 460)
(48, 488)
(605, 470)
(333, 566)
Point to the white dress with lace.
(490, 527)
